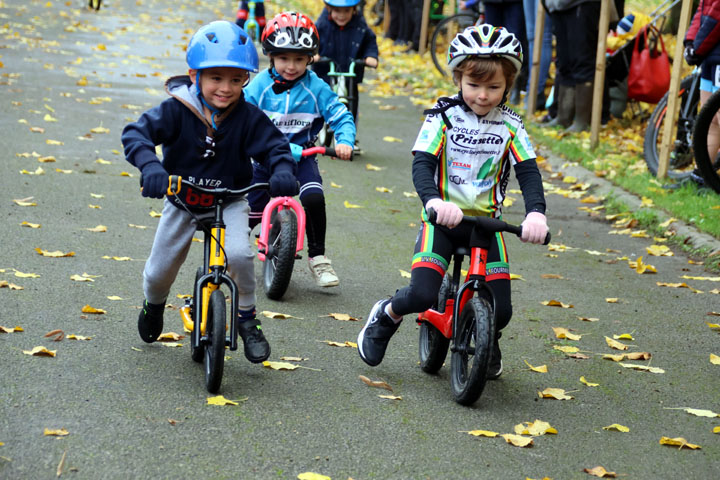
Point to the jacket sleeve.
(423, 174)
(708, 34)
(252, 91)
(369, 44)
(530, 181)
(336, 114)
(694, 25)
(154, 127)
(266, 144)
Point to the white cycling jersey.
(475, 155)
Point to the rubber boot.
(566, 107)
(583, 107)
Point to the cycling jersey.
(474, 154)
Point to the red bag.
(649, 77)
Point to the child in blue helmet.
(208, 134)
(299, 102)
(345, 36)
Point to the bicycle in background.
(447, 28)
(707, 132)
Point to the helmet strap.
(213, 111)
(281, 85)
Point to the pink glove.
(448, 213)
(534, 228)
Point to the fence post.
(424, 26)
(536, 54)
(669, 129)
(599, 82)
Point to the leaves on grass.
(617, 427)
(375, 383)
(599, 472)
(40, 351)
(556, 393)
(93, 310)
(679, 442)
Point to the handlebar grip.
(174, 185)
(432, 215)
(548, 237)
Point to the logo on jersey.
(457, 180)
(461, 165)
(468, 140)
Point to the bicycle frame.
(251, 22)
(280, 203)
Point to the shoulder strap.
(445, 103)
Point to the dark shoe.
(495, 368)
(583, 108)
(375, 335)
(257, 348)
(566, 107)
(150, 321)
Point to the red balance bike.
(463, 319)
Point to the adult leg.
(584, 32)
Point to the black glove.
(283, 184)
(154, 180)
(689, 54)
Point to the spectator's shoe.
(495, 368)
(150, 321)
(375, 335)
(322, 271)
(257, 348)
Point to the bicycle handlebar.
(488, 224)
(328, 151)
(176, 181)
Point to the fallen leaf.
(566, 348)
(40, 351)
(370, 166)
(11, 329)
(552, 276)
(340, 344)
(612, 300)
(30, 225)
(535, 429)
(375, 383)
(383, 190)
(312, 476)
(624, 336)
(615, 344)
(518, 440)
(390, 397)
(696, 411)
(335, 185)
(589, 319)
(404, 274)
(679, 442)
(617, 427)
(61, 465)
(390, 139)
(24, 202)
(117, 259)
(58, 334)
(170, 337)
(280, 365)
(481, 433)
(100, 130)
(292, 359)
(56, 253)
(589, 384)
(220, 400)
(555, 303)
(564, 333)
(708, 279)
(540, 369)
(350, 205)
(277, 315)
(599, 472)
(114, 298)
(344, 317)
(89, 309)
(556, 393)
(98, 229)
(72, 336)
(642, 367)
(641, 267)
(81, 278)
(659, 251)
(55, 433)
(714, 359)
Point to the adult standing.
(530, 8)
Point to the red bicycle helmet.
(290, 32)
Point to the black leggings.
(433, 249)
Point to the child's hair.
(483, 68)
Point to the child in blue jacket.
(345, 37)
(208, 134)
(299, 102)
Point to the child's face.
(290, 65)
(483, 95)
(221, 86)
(341, 15)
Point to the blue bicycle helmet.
(222, 44)
(342, 3)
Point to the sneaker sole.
(328, 284)
(361, 335)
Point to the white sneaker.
(323, 272)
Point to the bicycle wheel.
(681, 156)
(280, 257)
(215, 350)
(709, 167)
(472, 348)
(445, 31)
(325, 136)
(197, 352)
(433, 345)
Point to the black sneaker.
(375, 335)
(495, 368)
(150, 321)
(257, 348)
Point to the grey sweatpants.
(172, 242)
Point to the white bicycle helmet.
(485, 41)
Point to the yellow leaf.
(26, 275)
(589, 384)
(570, 179)
(89, 309)
(515, 276)
(98, 229)
(114, 298)
(556, 393)
(540, 369)
(517, 440)
(49, 118)
(339, 344)
(642, 367)
(292, 359)
(100, 130)
(54, 142)
(410, 194)
(11, 286)
(659, 251)
(716, 429)
(312, 476)
(714, 359)
(37, 171)
(641, 267)
(117, 259)
(390, 397)
(383, 190)
(701, 413)
(564, 333)
(81, 278)
(679, 442)
(280, 365)
(482, 433)
(220, 400)
(82, 82)
(535, 429)
(140, 227)
(638, 356)
(612, 300)
(335, 185)
(47, 159)
(552, 276)
(375, 383)
(370, 166)
(566, 349)
(555, 303)
(97, 207)
(709, 279)
(126, 174)
(155, 214)
(390, 139)
(599, 472)
(77, 337)
(60, 170)
(614, 358)
(343, 317)
(30, 225)
(103, 162)
(56, 253)
(404, 274)
(40, 351)
(24, 202)
(281, 316)
(171, 344)
(55, 433)
(170, 337)
(624, 336)
(617, 427)
(615, 344)
(11, 330)
(350, 205)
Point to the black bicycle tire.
(441, 63)
(215, 350)
(469, 372)
(655, 127)
(325, 136)
(433, 345)
(708, 169)
(197, 352)
(278, 265)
